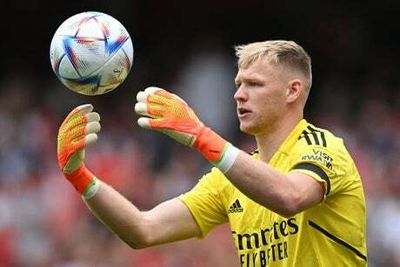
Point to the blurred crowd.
(44, 223)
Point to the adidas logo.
(235, 207)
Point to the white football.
(91, 53)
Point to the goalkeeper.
(297, 200)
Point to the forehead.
(259, 69)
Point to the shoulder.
(321, 154)
(319, 143)
(318, 137)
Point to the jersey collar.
(289, 142)
(292, 138)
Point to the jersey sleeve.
(205, 203)
(325, 164)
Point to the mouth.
(243, 112)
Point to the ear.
(294, 90)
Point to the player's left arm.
(283, 194)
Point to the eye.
(254, 83)
(251, 83)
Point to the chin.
(247, 129)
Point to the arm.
(167, 222)
(284, 194)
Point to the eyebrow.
(247, 80)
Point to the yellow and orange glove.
(78, 130)
(169, 114)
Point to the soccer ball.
(91, 53)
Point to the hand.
(169, 114)
(78, 130)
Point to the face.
(260, 97)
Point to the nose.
(240, 94)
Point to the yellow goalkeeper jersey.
(332, 233)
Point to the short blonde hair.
(279, 52)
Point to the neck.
(269, 143)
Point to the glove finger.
(77, 119)
(170, 95)
(144, 122)
(77, 125)
(167, 99)
(68, 118)
(82, 109)
(81, 142)
(82, 121)
(180, 99)
(143, 95)
(90, 139)
(149, 123)
(151, 110)
(85, 108)
(92, 127)
(92, 116)
(155, 111)
(66, 137)
(78, 144)
(141, 109)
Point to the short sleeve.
(323, 164)
(204, 202)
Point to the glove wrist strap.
(210, 144)
(92, 189)
(82, 179)
(228, 158)
(216, 149)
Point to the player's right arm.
(167, 222)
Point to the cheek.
(270, 105)
(267, 108)
(270, 109)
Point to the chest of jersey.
(260, 235)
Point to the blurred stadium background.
(187, 48)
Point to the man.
(297, 201)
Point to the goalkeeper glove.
(76, 132)
(169, 114)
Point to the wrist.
(91, 189)
(228, 158)
(215, 149)
(210, 144)
(82, 179)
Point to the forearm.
(119, 215)
(167, 222)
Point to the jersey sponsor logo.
(235, 207)
(267, 245)
(319, 156)
(313, 136)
